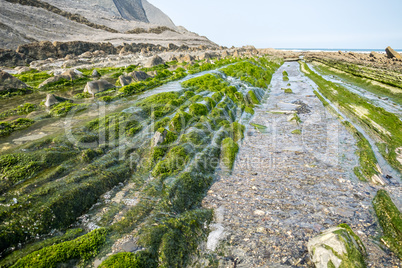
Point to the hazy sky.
(291, 23)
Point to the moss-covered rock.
(6, 128)
(83, 247)
(198, 109)
(390, 220)
(238, 131)
(252, 97)
(337, 247)
(179, 121)
(141, 259)
(229, 152)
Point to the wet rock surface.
(9, 82)
(285, 189)
(94, 87)
(333, 246)
(51, 100)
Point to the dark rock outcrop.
(134, 76)
(10, 58)
(156, 30)
(38, 50)
(375, 55)
(45, 49)
(392, 53)
(225, 54)
(172, 47)
(10, 83)
(205, 56)
(79, 47)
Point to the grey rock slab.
(94, 87)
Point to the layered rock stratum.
(118, 21)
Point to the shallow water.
(376, 100)
(126, 195)
(286, 188)
(385, 167)
(53, 126)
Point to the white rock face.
(332, 246)
(321, 255)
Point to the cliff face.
(131, 10)
(113, 13)
(156, 16)
(114, 21)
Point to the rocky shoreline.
(285, 189)
(293, 177)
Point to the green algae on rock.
(390, 219)
(368, 170)
(288, 90)
(83, 247)
(337, 247)
(382, 125)
(229, 152)
(168, 217)
(296, 132)
(128, 259)
(6, 128)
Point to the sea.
(337, 49)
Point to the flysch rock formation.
(93, 20)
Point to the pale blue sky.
(291, 23)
